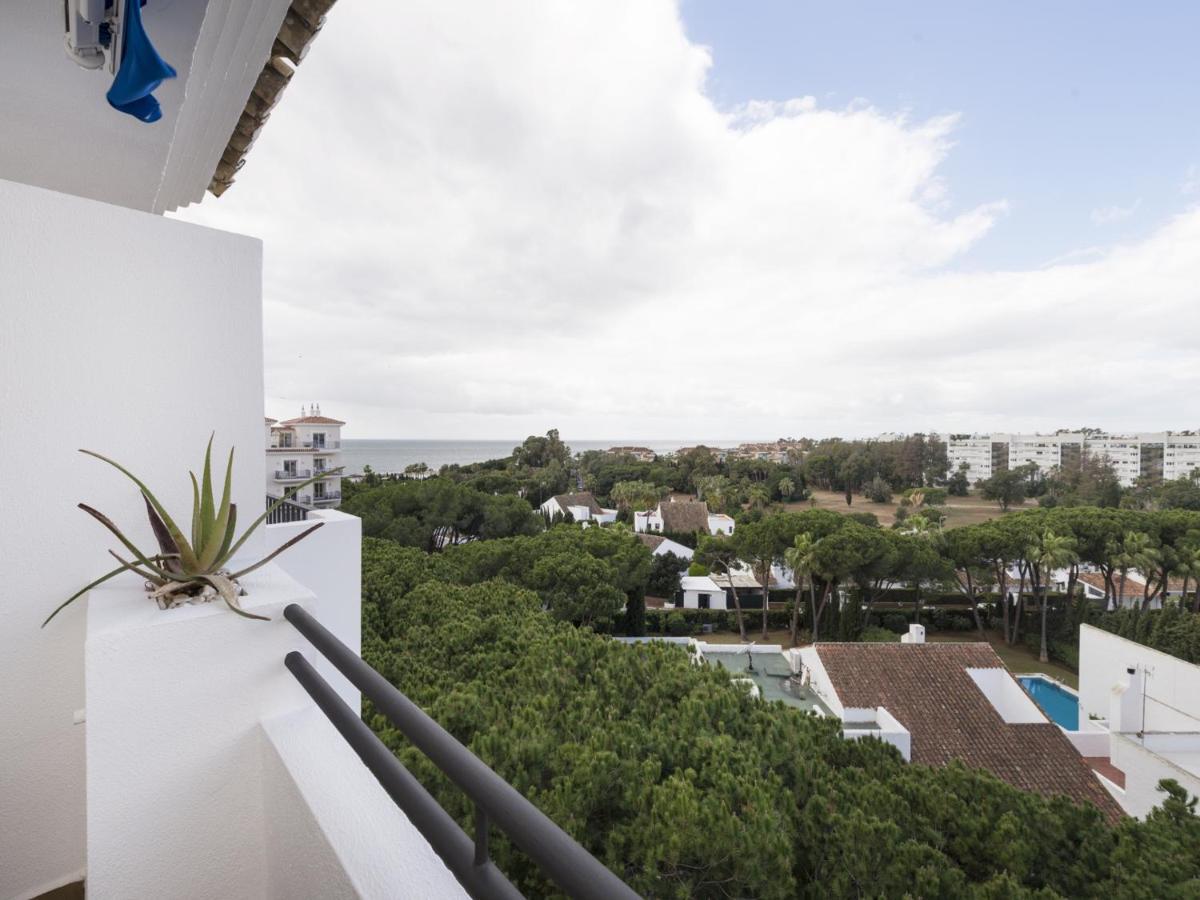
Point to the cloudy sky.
(637, 219)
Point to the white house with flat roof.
(302, 448)
(1149, 704)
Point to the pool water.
(1058, 703)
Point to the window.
(289, 468)
(319, 490)
(704, 600)
(318, 439)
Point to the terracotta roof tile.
(684, 516)
(927, 688)
(313, 420)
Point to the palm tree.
(1188, 565)
(758, 496)
(786, 488)
(1135, 550)
(1048, 552)
(799, 558)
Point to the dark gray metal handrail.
(559, 855)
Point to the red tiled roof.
(651, 540)
(1134, 587)
(927, 688)
(313, 420)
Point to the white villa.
(939, 702)
(301, 448)
(682, 517)
(660, 546)
(700, 592)
(581, 506)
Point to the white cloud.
(490, 219)
(1108, 214)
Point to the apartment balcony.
(265, 781)
(297, 475)
(326, 447)
(327, 497)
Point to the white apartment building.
(1122, 452)
(982, 454)
(301, 448)
(1180, 455)
(1165, 455)
(1046, 451)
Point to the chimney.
(916, 635)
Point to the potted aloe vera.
(190, 570)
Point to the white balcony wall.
(112, 319)
(329, 563)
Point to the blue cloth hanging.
(142, 70)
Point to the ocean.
(388, 455)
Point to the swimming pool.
(1056, 701)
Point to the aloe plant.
(183, 566)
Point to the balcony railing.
(560, 857)
(297, 475)
(327, 496)
(328, 471)
(286, 511)
(319, 447)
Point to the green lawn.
(1019, 658)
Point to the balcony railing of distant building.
(560, 857)
(321, 446)
(328, 496)
(287, 511)
(292, 475)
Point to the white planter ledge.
(175, 800)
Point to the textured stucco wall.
(135, 336)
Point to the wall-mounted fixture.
(93, 32)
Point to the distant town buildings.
(301, 448)
(783, 450)
(1164, 455)
(641, 454)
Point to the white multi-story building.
(1165, 455)
(1180, 455)
(1046, 451)
(982, 454)
(301, 448)
(1122, 452)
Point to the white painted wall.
(175, 804)
(1143, 770)
(333, 832)
(1172, 685)
(1006, 696)
(90, 356)
(329, 563)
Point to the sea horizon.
(389, 455)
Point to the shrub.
(878, 491)
(697, 569)
(677, 624)
(873, 634)
(896, 623)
